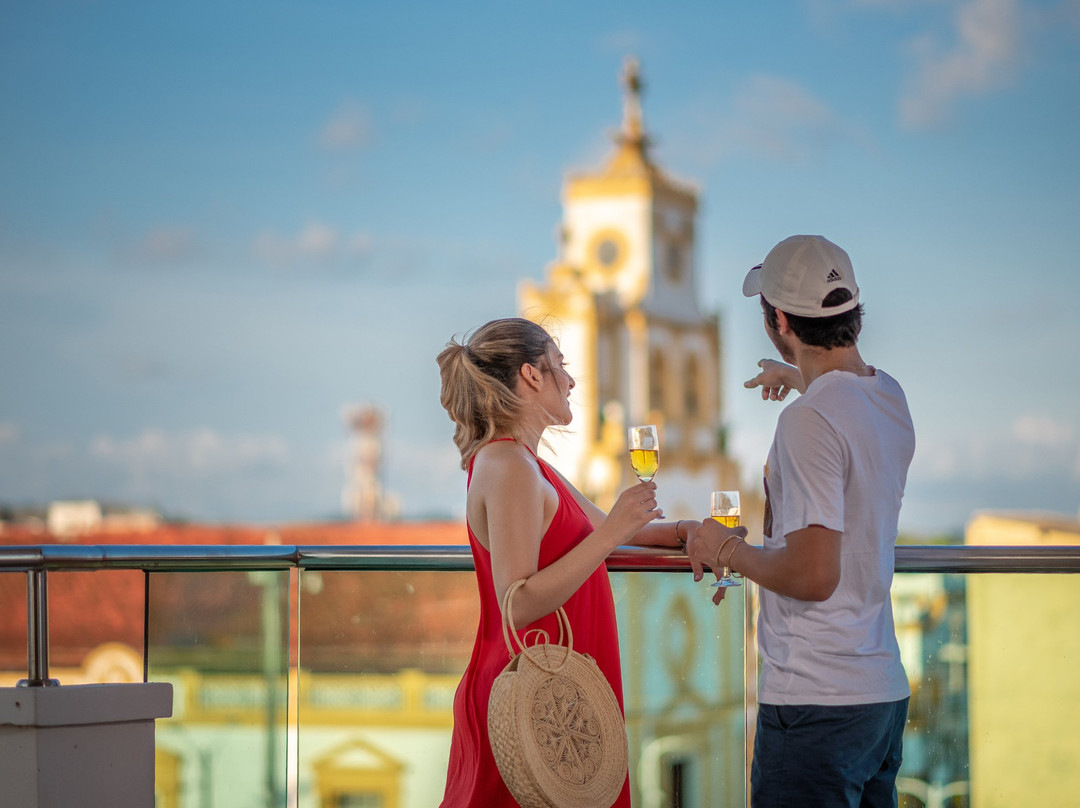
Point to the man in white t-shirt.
(832, 693)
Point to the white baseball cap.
(799, 272)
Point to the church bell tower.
(621, 299)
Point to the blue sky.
(221, 223)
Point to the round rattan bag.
(556, 728)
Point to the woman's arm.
(654, 534)
(663, 534)
(515, 506)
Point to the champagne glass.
(644, 451)
(725, 510)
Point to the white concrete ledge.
(72, 705)
(85, 745)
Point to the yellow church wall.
(1023, 672)
(588, 188)
(643, 184)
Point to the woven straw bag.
(556, 728)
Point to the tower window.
(674, 262)
(656, 380)
(691, 392)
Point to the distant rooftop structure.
(1022, 528)
(65, 519)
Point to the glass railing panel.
(683, 689)
(381, 654)
(1023, 655)
(95, 627)
(930, 613)
(994, 720)
(991, 658)
(222, 640)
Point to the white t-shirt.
(839, 459)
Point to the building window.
(656, 380)
(677, 771)
(692, 388)
(359, 801)
(359, 774)
(674, 262)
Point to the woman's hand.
(635, 508)
(776, 380)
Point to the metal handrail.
(37, 560)
(208, 558)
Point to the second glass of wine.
(725, 510)
(644, 451)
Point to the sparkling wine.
(725, 509)
(645, 463)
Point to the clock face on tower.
(608, 250)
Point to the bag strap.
(508, 627)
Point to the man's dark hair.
(840, 331)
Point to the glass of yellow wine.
(725, 510)
(644, 451)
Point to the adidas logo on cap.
(798, 275)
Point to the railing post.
(37, 631)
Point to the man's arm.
(776, 380)
(808, 568)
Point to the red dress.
(473, 779)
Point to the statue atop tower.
(633, 128)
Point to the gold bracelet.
(679, 539)
(720, 549)
(732, 553)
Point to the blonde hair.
(479, 375)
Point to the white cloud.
(9, 432)
(162, 245)
(1033, 447)
(318, 242)
(168, 244)
(195, 452)
(361, 244)
(780, 118)
(768, 116)
(980, 54)
(1041, 431)
(347, 129)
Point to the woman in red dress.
(502, 387)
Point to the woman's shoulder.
(505, 468)
(503, 457)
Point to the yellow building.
(621, 297)
(1023, 671)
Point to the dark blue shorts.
(810, 755)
